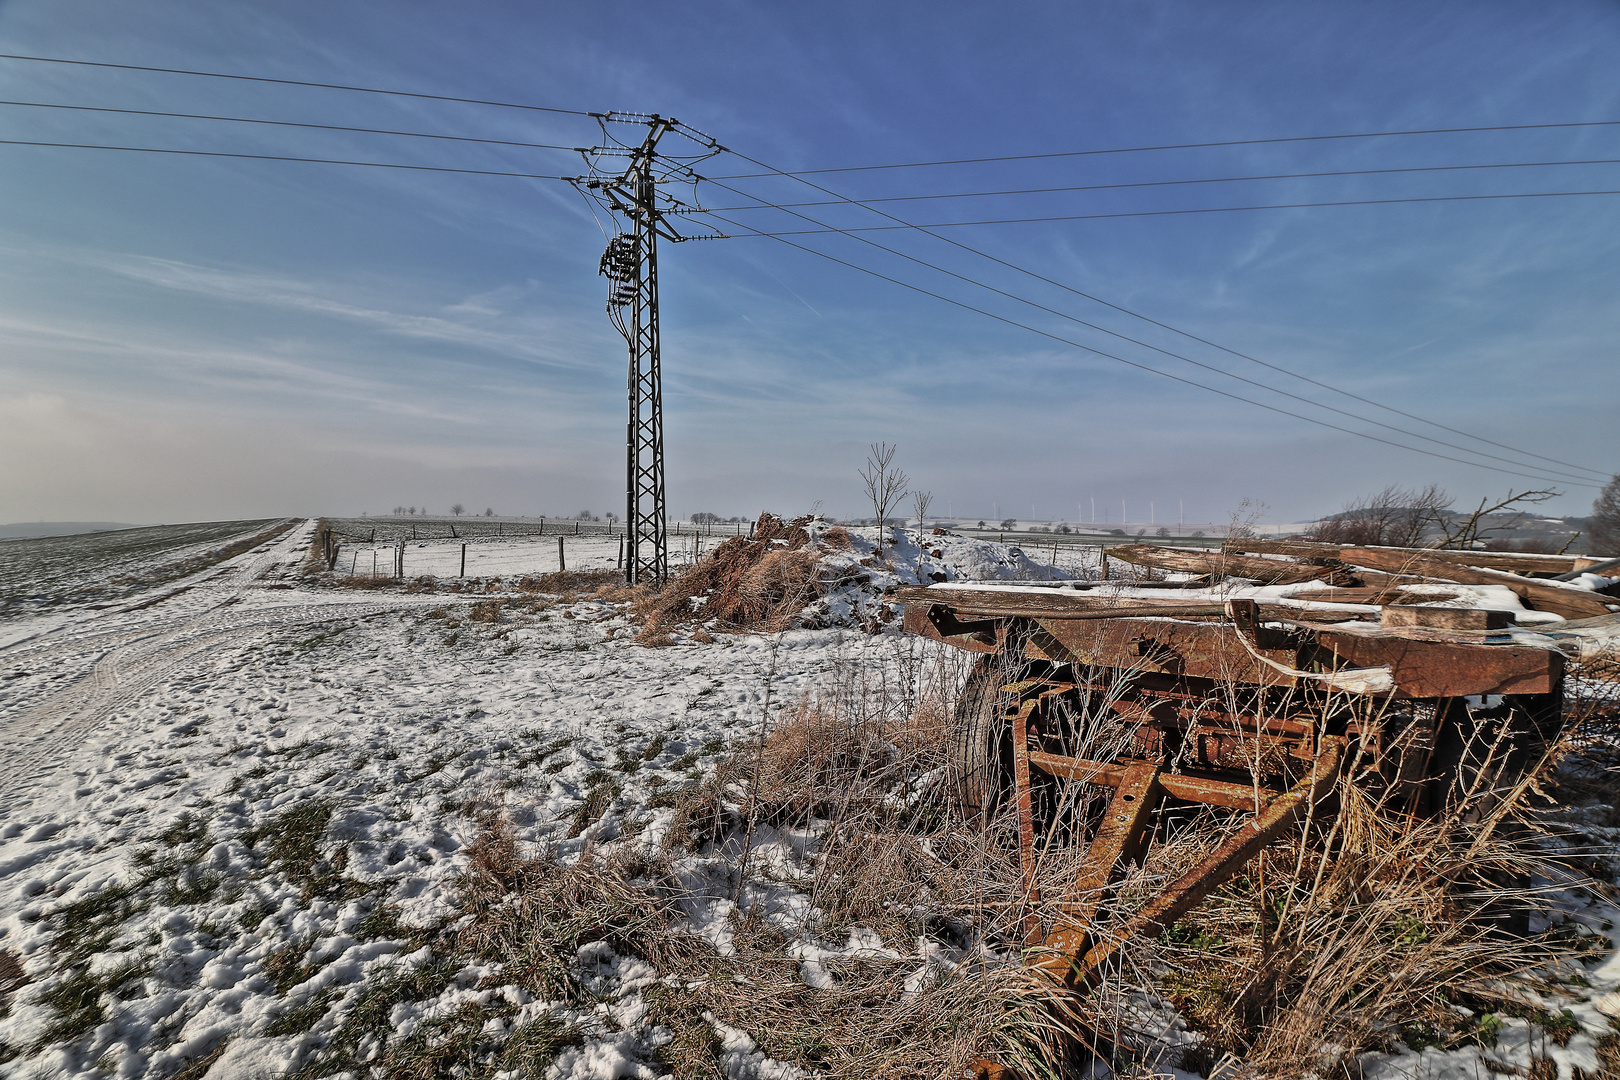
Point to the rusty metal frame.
(1235, 753)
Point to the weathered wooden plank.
(1521, 562)
(1270, 571)
(1445, 618)
(987, 603)
(1540, 595)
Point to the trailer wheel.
(981, 742)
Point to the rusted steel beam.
(1439, 669)
(1024, 803)
(916, 620)
(1269, 571)
(1203, 650)
(1120, 840)
(1219, 867)
(1178, 785)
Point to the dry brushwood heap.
(748, 582)
(806, 572)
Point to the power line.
(281, 157)
(1199, 210)
(294, 82)
(1168, 146)
(1170, 183)
(294, 124)
(1165, 352)
(1193, 337)
(1130, 363)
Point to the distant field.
(60, 528)
(389, 529)
(42, 573)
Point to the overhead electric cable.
(294, 82)
(281, 157)
(1130, 363)
(295, 124)
(1169, 146)
(1169, 183)
(1199, 210)
(1190, 336)
(1164, 352)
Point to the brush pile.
(806, 572)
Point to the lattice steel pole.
(647, 554)
(630, 264)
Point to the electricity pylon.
(630, 264)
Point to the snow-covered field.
(158, 759)
(228, 817)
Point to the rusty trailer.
(1156, 697)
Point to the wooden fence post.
(562, 563)
(463, 560)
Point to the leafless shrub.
(571, 581)
(1397, 516)
(885, 484)
(1466, 532)
(1603, 527)
(486, 611)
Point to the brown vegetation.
(757, 583)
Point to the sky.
(185, 337)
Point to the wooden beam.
(992, 603)
(1445, 618)
(1521, 562)
(1269, 571)
(1563, 600)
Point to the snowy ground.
(167, 740)
(227, 805)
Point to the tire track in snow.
(43, 737)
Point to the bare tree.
(885, 484)
(1603, 530)
(1394, 517)
(1464, 531)
(458, 509)
(489, 511)
(920, 501)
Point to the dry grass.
(758, 583)
(1356, 932)
(1367, 931)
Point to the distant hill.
(57, 528)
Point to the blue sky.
(192, 337)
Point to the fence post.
(463, 560)
(621, 553)
(562, 563)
